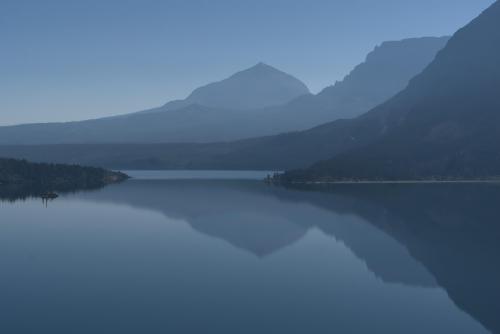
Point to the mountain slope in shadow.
(446, 124)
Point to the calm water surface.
(155, 255)
(198, 175)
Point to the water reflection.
(262, 220)
(21, 192)
(453, 230)
(420, 238)
(449, 234)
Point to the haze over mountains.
(445, 124)
(256, 102)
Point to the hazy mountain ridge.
(210, 113)
(386, 71)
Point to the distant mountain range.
(444, 125)
(259, 101)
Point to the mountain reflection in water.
(422, 236)
(442, 234)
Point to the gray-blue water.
(238, 256)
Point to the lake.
(193, 254)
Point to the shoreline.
(393, 182)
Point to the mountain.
(258, 87)
(386, 71)
(445, 125)
(223, 111)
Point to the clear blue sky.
(68, 60)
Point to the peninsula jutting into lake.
(22, 178)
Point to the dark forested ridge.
(39, 177)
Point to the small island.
(20, 178)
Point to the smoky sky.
(66, 60)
